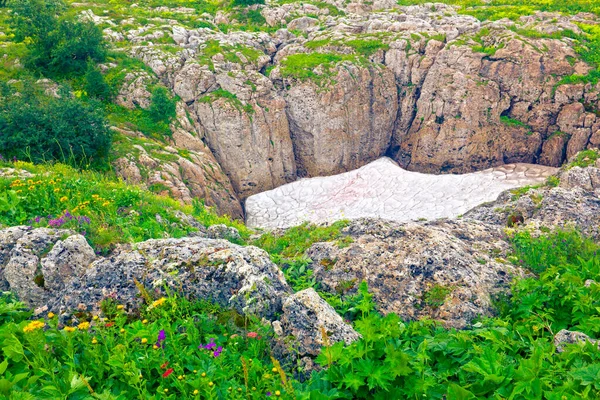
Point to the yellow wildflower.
(63, 199)
(210, 384)
(33, 326)
(94, 341)
(155, 347)
(52, 182)
(203, 374)
(38, 182)
(277, 393)
(31, 188)
(56, 190)
(95, 196)
(145, 321)
(95, 318)
(158, 302)
(274, 369)
(69, 329)
(122, 330)
(166, 390)
(180, 377)
(120, 307)
(106, 203)
(195, 392)
(144, 341)
(50, 315)
(19, 191)
(29, 182)
(84, 326)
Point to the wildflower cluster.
(107, 211)
(212, 347)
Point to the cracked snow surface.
(382, 189)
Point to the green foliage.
(161, 355)
(245, 3)
(304, 66)
(514, 123)
(584, 159)
(95, 85)
(162, 108)
(44, 128)
(105, 210)
(436, 296)
(59, 43)
(295, 241)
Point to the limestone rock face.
(314, 323)
(435, 90)
(344, 125)
(67, 259)
(230, 275)
(574, 203)
(185, 170)
(249, 134)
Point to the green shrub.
(162, 108)
(95, 85)
(44, 128)
(60, 43)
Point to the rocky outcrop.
(183, 168)
(247, 130)
(434, 89)
(314, 323)
(572, 204)
(445, 270)
(56, 270)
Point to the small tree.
(162, 108)
(95, 85)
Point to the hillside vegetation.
(66, 121)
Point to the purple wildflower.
(38, 219)
(217, 353)
(56, 223)
(161, 338)
(268, 393)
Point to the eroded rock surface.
(341, 84)
(382, 189)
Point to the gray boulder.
(314, 323)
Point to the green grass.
(106, 210)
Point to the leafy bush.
(95, 85)
(162, 108)
(105, 210)
(59, 43)
(45, 128)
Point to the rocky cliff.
(326, 88)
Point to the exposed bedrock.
(344, 125)
(439, 92)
